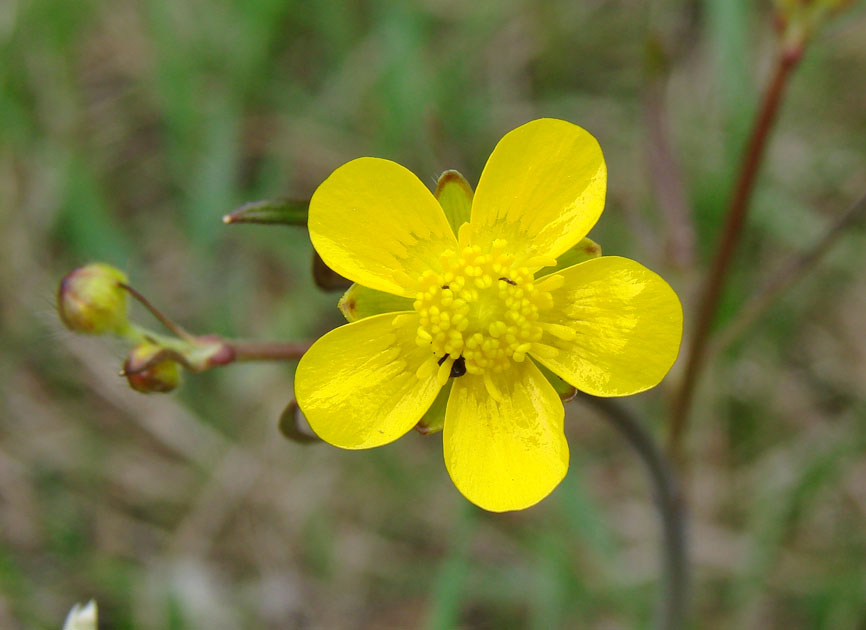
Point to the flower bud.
(147, 372)
(81, 617)
(91, 300)
(294, 426)
(798, 19)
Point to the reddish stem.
(267, 350)
(733, 229)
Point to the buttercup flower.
(478, 305)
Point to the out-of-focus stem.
(203, 352)
(267, 350)
(666, 176)
(673, 602)
(734, 221)
(792, 271)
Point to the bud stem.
(164, 320)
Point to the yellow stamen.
(544, 351)
(551, 283)
(559, 331)
(426, 369)
(444, 371)
(482, 307)
(494, 392)
(541, 261)
(402, 319)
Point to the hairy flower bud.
(91, 300)
(147, 372)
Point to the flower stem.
(674, 598)
(267, 350)
(735, 220)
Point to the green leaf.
(271, 212)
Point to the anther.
(458, 368)
(402, 319)
(425, 369)
(545, 351)
(492, 389)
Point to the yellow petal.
(375, 223)
(505, 455)
(455, 196)
(357, 385)
(434, 420)
(542, 188)
(628, 324)
(360, 302)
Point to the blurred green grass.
(128, 128)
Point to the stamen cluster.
(480, 313)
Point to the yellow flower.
(472, 311)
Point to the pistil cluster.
(481, 312)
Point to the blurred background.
(128, 128)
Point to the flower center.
(481, 313)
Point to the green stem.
(673, 603)
(164, 320)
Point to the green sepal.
(294, 426)
(434, 420)
(326, 278)
(271, 212)
(360, 302)
(566, 392)
(455, 196)
(586, 249)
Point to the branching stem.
(162, 317)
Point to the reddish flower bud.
(147, 371)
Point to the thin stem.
(172, 326)
(674, 598)
(735, 219)
(267, 350)
(792, 271)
